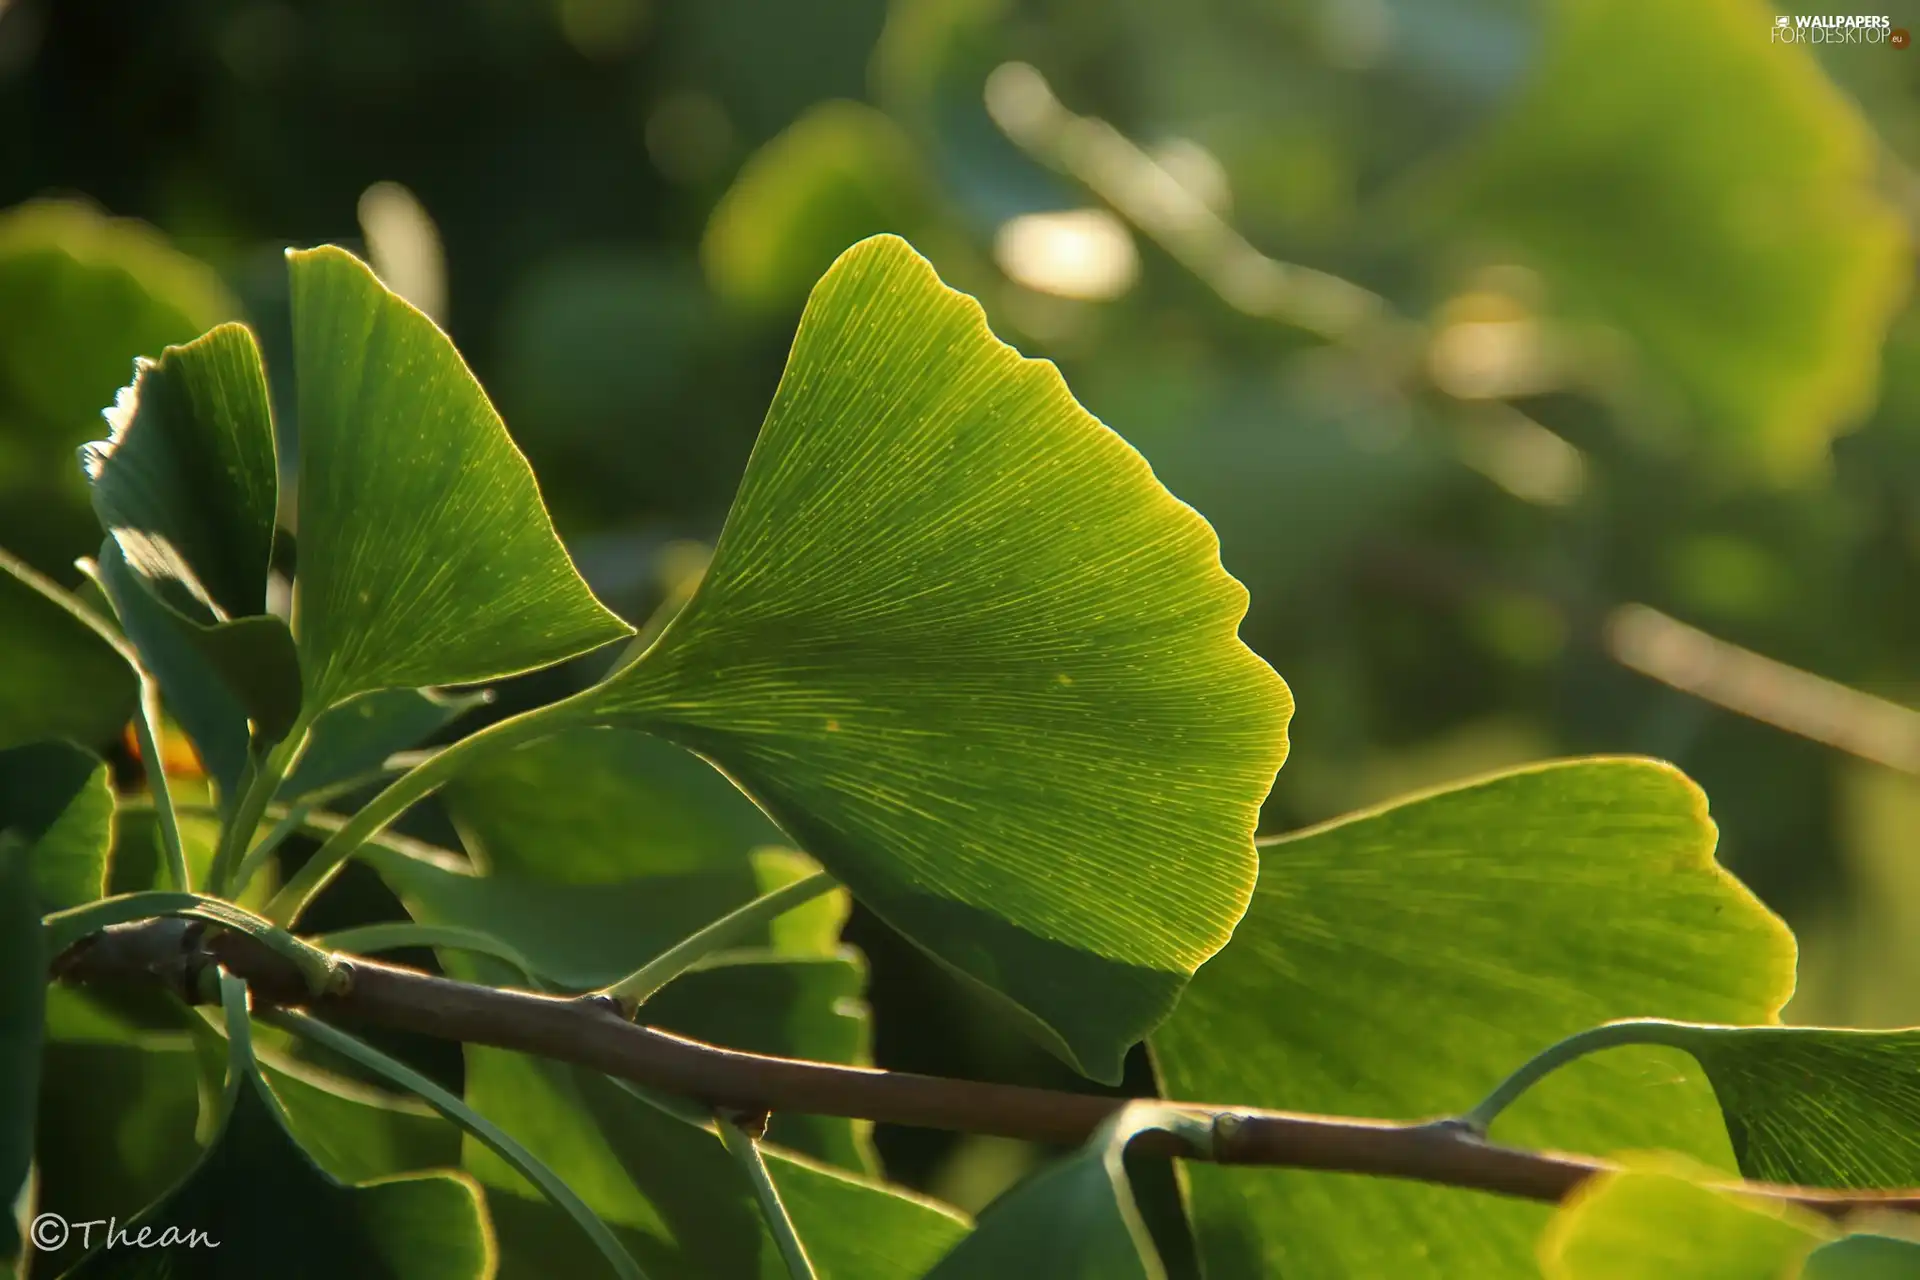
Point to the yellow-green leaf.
(961, 644)
(1401, 962)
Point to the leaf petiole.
(407, 790)
(1608, 1035)
(728, 931)
(746, 1153)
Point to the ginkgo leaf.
(1819, 1106)
(260, 1205)
(186, 489)
(638, 807)
(1648, 1225)
(1864, 1255)
(426, 557)
(959, 642)
(186, 483)
(217, 680)
(59, 800)
(1075, 1220)
(1401, 962)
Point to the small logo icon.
(1899, 38)
(1783, 21)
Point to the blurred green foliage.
(1630, 325)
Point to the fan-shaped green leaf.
(426, 557)
(186, 483)
(1401, 962)
(212, 677)
(958, 641)
(793, 990)
(582, 936)
(59, 800)
(1662, 1226)
(186, 487)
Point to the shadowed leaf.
(59, 800)
(1075, 1220)
(23, 985)
(58, 677)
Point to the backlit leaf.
(186, 482)
(1661, 1226)
(963, 647)
(426, 557)
(1399, 963)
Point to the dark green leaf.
(270, 1210)
(1074, 1220)
(356, 736)
(58, 677)
(23, 986)
(186, 483)
(793, 992)
(1401, 962)
(637, 806)
(674, 1197)
(1864, 1257)
(960, 644)
(797, 1008)
(579, 936)
(426, 557)
(59, 800)
(357, 1133)
(195, 690)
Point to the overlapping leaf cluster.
(959, 645)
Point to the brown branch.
(590, 1033)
